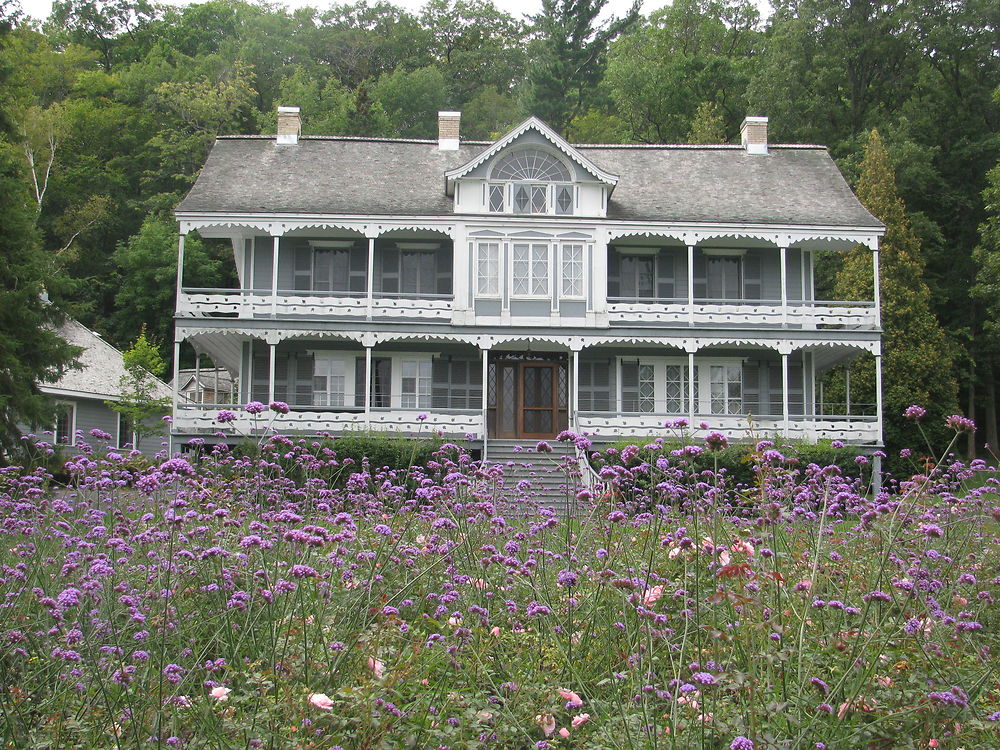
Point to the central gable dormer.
(531, 171)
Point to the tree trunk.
(991, 412)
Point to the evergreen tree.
(917, 358)
(708, 127)
(570, 57)
(30, 349)
(987, 291)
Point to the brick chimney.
(289, 125)
(753, 135)
(448, 123)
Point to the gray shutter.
(630, 387)
(444, 269)
(302, 271)
(751, 387)
(700, 275)
(774, 387)
(440, 383)
(752, 276)
(359, 268)
(665, 276)
(390, 270)
(614, 274)
(260, 375)
(281, 371)
(795, 396)
(304, 369)
(359, 382)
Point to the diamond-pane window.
(496, 197)
(647, 389)
(538, 202)
(674, 385)
(564, 199)
(521, 199)
(488, 269)
(572, 270)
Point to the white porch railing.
(256, 303)
(851, 429)
(193, 420)
(805, 315)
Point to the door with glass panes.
(528, 398)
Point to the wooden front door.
(530, 399)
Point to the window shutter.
(614, 273)
(774, 387)
(630, 387)
(260, 375)
(665, 276)
(359, 268)
(440, 383)
(304, 367)
(444, 270)
(795, 395)
(281, 370)
(302, 280)
(700, 275)
(359, 382)
(390, 270)
(751, 387)
(752, 276)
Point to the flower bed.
(216, 601)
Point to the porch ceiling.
(225, 350)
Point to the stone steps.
(547, 479)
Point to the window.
(638, 274)
(674, 391)
(417, 272)
(412, 269)
(64, 429)
(726, 389)
(329, 382)
(534, 177)
(647, 390)
(530, 270)
(572, 270)
(329, 266)
(127, 434)
(488, 269)
(415, 385)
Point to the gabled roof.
(101, 371)
(341, 176)
(533, 123)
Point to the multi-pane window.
(726, 389)
(638, 274)
(530, 269)
(723, 277)
(674, 391)
(418, 272)
(572, 270)
(62, 430)
(647, 389)
(488, 269)
(127, 434)
(415, 385)
(329, 382)
(538, 184)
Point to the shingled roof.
(791, 185)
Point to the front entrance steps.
(548, 479)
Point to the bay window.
(572, 270)
(530, 270)
(488, 269)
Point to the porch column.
(784, 394)
(574, 393)
(691, 285)
(180, 270)
(176, 394)
(784, 287)
(692, 390)
(878, 395)
(198, 397)
(370, 282)
(877, 288)
(802, 269)
(274, 278)
(270, 372)
(368, 386)
(819, 385)
(485, 356)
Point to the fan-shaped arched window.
(531, 181)
(530, 165)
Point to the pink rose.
(377, 667)
(652, 595)
(219, 693)
(579, 719)
(564, 733)
(572, 699)
(321, 701)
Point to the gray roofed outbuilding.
(791, 185)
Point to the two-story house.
(516, 288)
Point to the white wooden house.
(513, 289)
